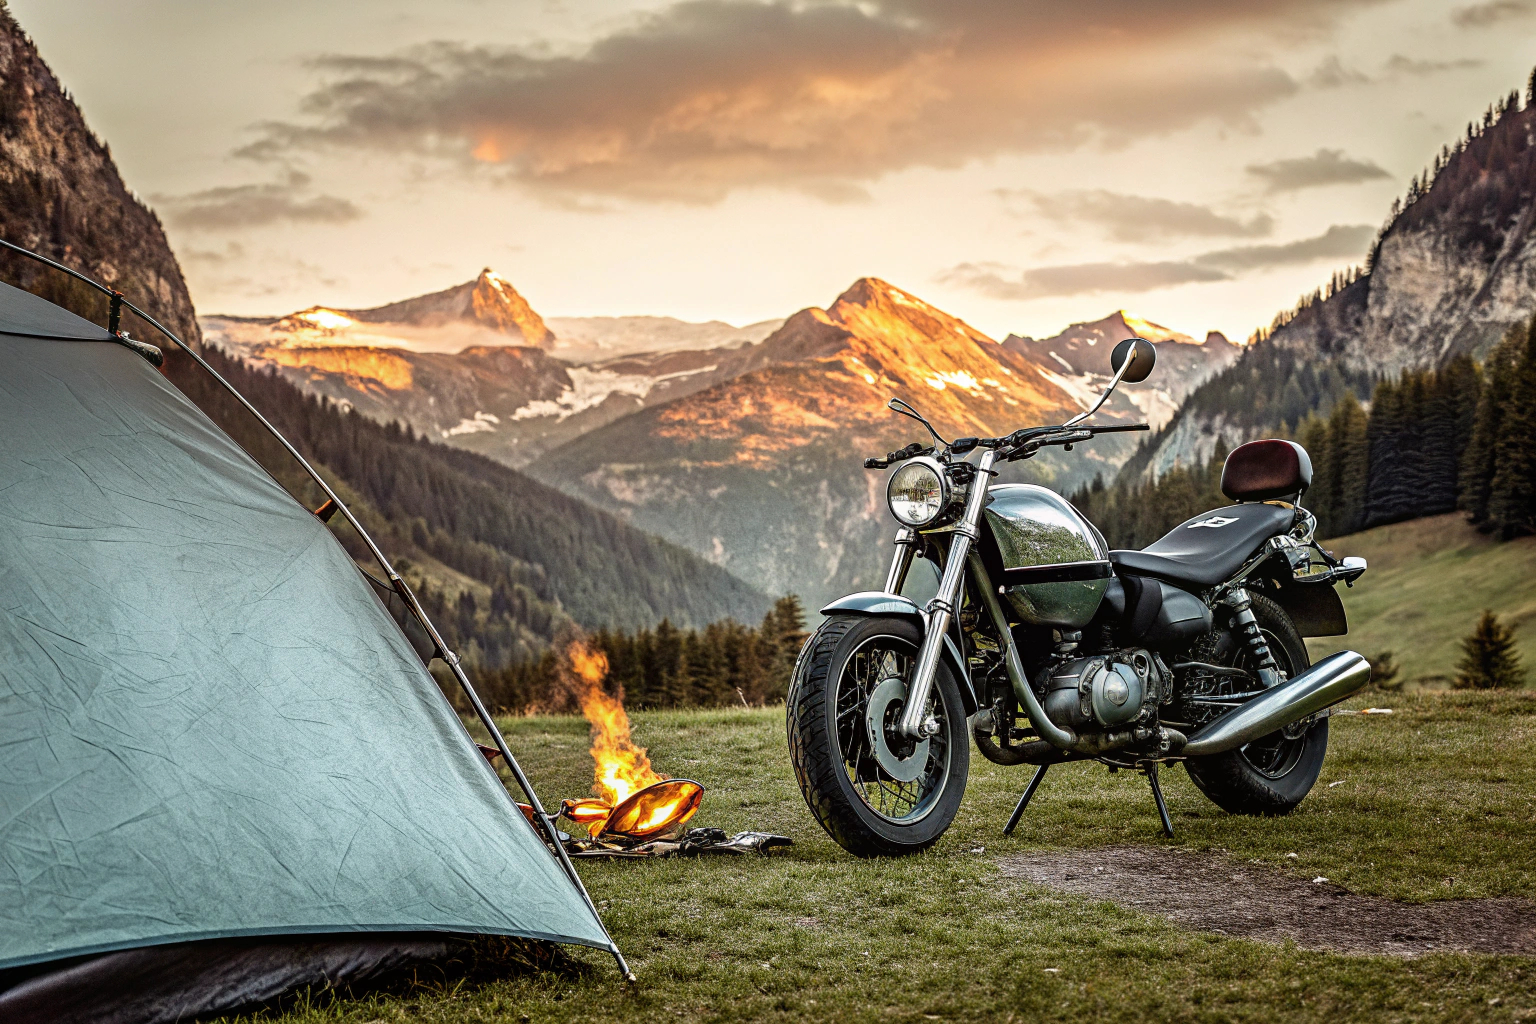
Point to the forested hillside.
(1453, 270)
(1460, 437)
(513, 561)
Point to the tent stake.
(395, 579)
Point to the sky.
(1022, 165)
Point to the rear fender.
(874, 602)
(1314, 608)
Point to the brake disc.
(892, 690)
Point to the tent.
(224, 771)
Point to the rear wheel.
(876, 792)
(1274, 773)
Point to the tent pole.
(398, 582)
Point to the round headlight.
(917, 493)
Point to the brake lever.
(899, 455)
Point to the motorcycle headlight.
(917, 492)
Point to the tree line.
(1433, 441)
(724, 663)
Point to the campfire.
(635, 811)
(633, 802)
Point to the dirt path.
(1213, 893)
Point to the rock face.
(763, 472)
(488, 301)
(61, 196)
(1453, 270)
(1081, 353)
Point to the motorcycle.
(1044, 646)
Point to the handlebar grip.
(875, 463)
(1122, 429)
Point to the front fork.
(915, 722)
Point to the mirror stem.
(1109, 390)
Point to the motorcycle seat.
(1208, 549)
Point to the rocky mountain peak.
(496, 304)
(489, 301)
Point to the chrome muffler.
(1335, 678)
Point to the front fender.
(875, 602)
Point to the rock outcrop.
(1452, 271)
(61, 196)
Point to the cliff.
(61, 196)
(1453, 269)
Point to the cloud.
(702, 97)
(1397, 64)
(1325, 167)
(999, 282)
(248, 206)
(1128, 218)
(1077, 279)
(1480, 15)
(1331, 74)
(1338, 242)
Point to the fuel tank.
(1054, 564)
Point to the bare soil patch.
(1209, 892)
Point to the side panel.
(874, 602)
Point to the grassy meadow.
(1435, 802)
(1428, 581)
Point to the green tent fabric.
(209, 725)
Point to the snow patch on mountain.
(591, 387)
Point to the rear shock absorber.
(1247, 628)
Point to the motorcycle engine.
(1103, 690)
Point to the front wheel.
(1274, 773)
(876, 792)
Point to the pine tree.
(1347, 430)
(1478, 459)
(1512, 492)
(1489, 659)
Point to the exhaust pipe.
(1325, 684)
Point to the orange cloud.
(708, 96)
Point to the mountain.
(1081, 353)
(489, 301)
(763, 473)
(508, 401)
(61, 196)
(1453, 270)
(589, 339)
(507, 560)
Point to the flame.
(587, 811)
(621, 769)
(656, 809)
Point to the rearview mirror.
(1141, 365)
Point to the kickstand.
(1157, 796)
(1029, 791)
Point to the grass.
(1428, 581)
(1437, 801)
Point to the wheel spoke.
(884, 658)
